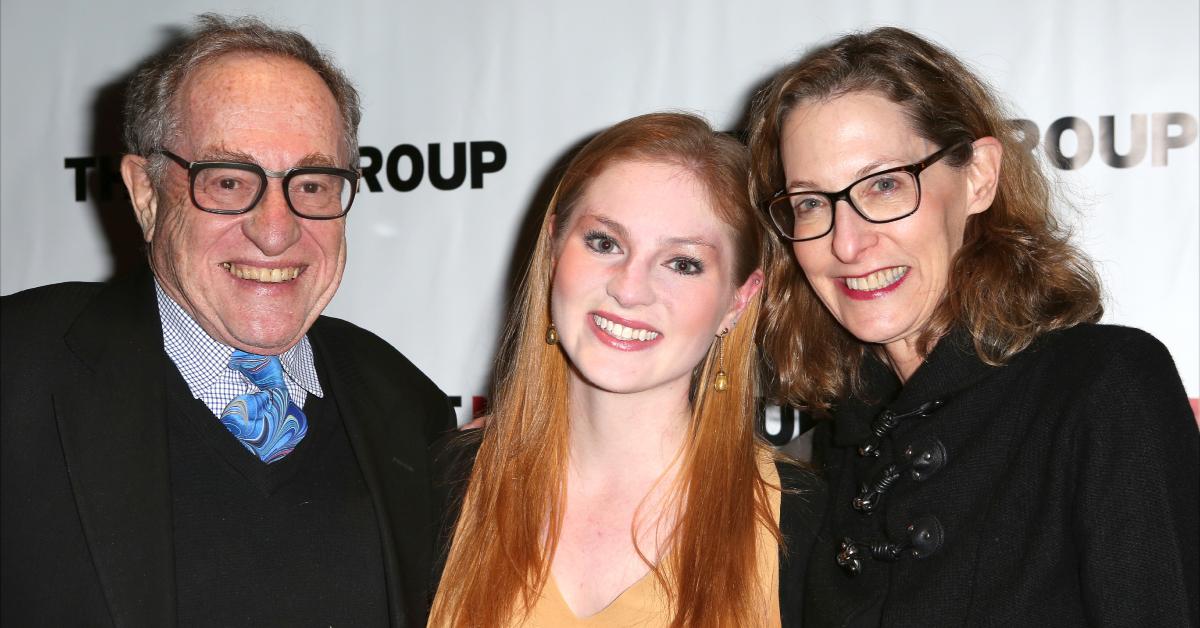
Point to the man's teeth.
(877, 280)
(263, 275)
(621, 332)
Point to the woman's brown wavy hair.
(505, 538)
(1016, 277)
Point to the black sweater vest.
(293, 543)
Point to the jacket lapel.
(394, 464)
(110, 413)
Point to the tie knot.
(266, 422)
(264, 371)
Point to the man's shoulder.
(353, 342)
(344, 341)
(45, 309)
(376, 369)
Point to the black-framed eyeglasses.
(884, 196)
(235, 187)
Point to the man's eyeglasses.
(884, 196)
(234, 187)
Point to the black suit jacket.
(86, 500)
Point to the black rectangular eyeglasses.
(235, 187)
(879, 197)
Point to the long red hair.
(505, 537)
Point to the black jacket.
(1058, 490)
(86, 494)
(803, 497)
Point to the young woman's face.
(644, 279)
(882, 282)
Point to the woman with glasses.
(994, 456)
(619, 480)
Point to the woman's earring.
(721, 381)
(551, 335)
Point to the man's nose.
(271, 225)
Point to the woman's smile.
(875, 284)
(623, 333)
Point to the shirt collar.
(201, 359)
(952, 366)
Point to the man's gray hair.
(152, 115)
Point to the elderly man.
(197, 445)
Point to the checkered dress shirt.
(204, 362)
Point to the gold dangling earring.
(551, 335)
(721, 381)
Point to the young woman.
(995, 458)
(619, 480)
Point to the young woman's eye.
(601, 242)
(686, 266)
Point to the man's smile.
(261, 274)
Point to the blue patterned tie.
(266, 422)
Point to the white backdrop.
(429, 268)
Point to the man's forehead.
(264, 109)
(269, 81)
(240, 64)
(222, 152)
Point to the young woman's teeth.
(877, 280)
(621, 332)
(262, 275)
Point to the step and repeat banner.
(470, 107)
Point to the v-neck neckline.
(614, 605)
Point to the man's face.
(255, 281)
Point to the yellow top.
(644, 603)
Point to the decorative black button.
(882, 424)
(925, 458)
(849, 557)
(869, 495)
(925, 536)
(888, 420)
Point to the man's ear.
(983, 174)
(745, 293)
(141, 193)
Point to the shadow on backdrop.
(526, 241)
(105, 191)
